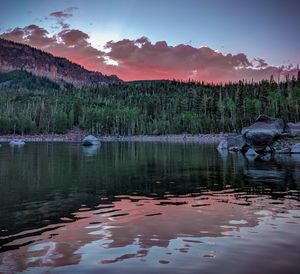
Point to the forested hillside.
(23, 80)
(16, 56)
(160, 107)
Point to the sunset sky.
(213, 40)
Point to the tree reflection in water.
(149, 207)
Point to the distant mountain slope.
(16, 56)
(23, 80)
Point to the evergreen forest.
(35, 105)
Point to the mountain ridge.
(18, 56)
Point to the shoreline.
(70, 137)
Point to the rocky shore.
(263, 139)
(78, 137)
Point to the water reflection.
(140, 229)
(144, 208)
(91, 150)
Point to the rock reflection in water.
(280, 169)
(91, 150)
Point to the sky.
(205, 40)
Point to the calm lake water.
(147, 208)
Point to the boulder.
(293, 129)
(263, 132)
(17, 143)
(237, 143)
(295, 149)
(232, 142)
(90, 140)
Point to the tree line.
(149, 107)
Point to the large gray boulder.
(237, 143)
(293, 129)
(90, 140)
(263, 132)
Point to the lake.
(147, 208)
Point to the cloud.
(146, 60)
(31, 34)
(142, 59)
(61, 16)
(260, 63)
(73, 37)
(69, 43)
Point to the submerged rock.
(90, 140)
(295, 149)
(263, 132)
(293, 129)
(16, 142)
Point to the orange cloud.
(141, 59)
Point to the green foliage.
(20, 79)
(61, 122)
(146, 107)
